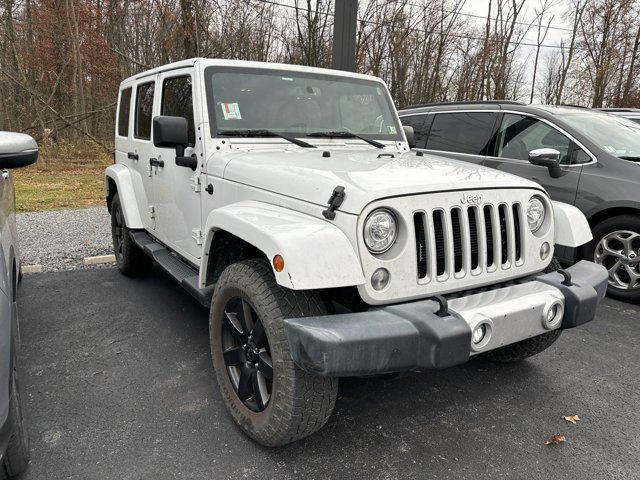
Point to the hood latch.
(335, 200)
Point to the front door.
(177, 190)
(520, 134)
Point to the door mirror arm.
(547, 157)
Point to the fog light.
(478, 333)
(380, 278)
(551, 314)
(545, 250)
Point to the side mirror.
(173, 132)
(547, 157)
(408, 132)
(17, 150)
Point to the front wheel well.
(227, 249)
(112, 189)
(602, 215)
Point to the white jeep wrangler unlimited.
(287, 198)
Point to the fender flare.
(316, 253)
(571, 226)
(121, 176)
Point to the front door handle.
(132, 156)
(154, 162)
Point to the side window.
(123, 112)
(144, 110)
(419, 128)
(464, 132)
(580, 156)
(519, 134)
(177, 101)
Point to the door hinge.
(195, 183)
(152, 216)
(196, 234)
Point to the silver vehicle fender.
(571, 226)
(121, 176)
(316, 253)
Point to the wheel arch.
(316, 253)
(118, 180)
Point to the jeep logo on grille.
(471, 198)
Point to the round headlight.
(536, 213)
(380, 231)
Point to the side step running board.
(182, 272)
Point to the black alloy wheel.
(246, 354)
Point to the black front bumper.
(411, 336)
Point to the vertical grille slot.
(421, 244)
(475, 240)
(518, 228)
(488, 228)
(457, 239)
(439, 233)
(502, 215)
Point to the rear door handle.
(132, 156)
(154, 162)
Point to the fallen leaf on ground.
(572, 419)
(556, 439)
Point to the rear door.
(178, 188)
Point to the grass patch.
(65, 176)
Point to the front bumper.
(411, 336)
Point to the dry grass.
(65, 176)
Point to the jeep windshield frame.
(296, 103)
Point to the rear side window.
(123, 112)
(419, 128)
(177, 101)
(144, 110)
(464, 132)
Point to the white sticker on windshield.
(392, 129)
(231, 111)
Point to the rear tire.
(131, 261)
(16, 458)
(297, 403)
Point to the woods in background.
(61, 60)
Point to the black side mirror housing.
(547, 157)
(173, 132)
(408, 132)
(17, 150)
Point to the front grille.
(463, 241)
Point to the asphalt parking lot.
(118, 384)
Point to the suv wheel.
(270, 399)
(616, 246)
(16, 458)
(130, 259)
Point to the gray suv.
(16, 150)
(582, 157)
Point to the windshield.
(297, 103)
(617, 135)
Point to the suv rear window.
(123, 112)
(144, 110)
(464, 132)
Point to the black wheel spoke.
(260, 396)
(265, 365)
(232, 325)
(258, 334)
(246, 316)
(233, 357)
(245, 386)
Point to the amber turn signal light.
(278, 263)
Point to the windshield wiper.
(343, 134)
(632, 158)
(257, 132)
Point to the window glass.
(519, 134)
(419, 128)
(123, 112)
(464, 132)
(177, 101)
(144, 110)
(298, 103)
(580, 156)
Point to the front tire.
(16, 458)
(616, 246)
(131, 261)
(269, 398)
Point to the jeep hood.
(367, 175)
